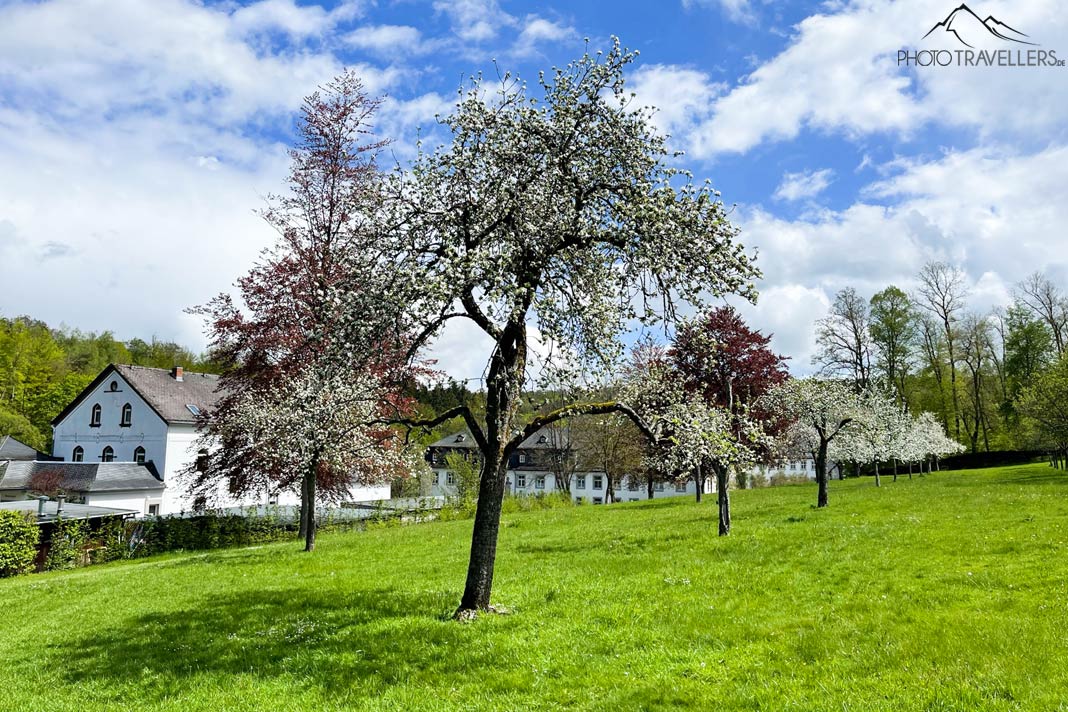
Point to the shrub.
(67, 550)
(19, 535)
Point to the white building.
(531, 472)
(147, 417)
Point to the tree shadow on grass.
(361, 642)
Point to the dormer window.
(542, 440)
(108, 455)
(460, 438)
(94, 416)
(127, 416)
(139, 455)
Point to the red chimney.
(177, 373)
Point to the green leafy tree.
(893, 335)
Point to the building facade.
(148, 417)
(533, 466)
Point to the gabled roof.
(168, 397)
(12, 449)
(82, 476)
(462, 439)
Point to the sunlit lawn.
(941, 593)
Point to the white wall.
(137, 501)
(146, 429)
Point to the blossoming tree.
(821, 411)
(557, 211)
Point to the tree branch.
(581, 409)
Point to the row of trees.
(42, 369)
(977, 372)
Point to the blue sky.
(137, 138)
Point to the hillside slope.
(941, 593)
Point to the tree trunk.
(610, 489)
(309, 507)
(878, 482)
(699, 480)
(895, 469)
(723, 498)
(503, 384)
(649, 486)
(302, 523)
(821, 474)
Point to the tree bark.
(699, 480)
(821, 473)
(302, 523)
(503, 384)
(724, 500)
(309, 506)
(878, 482)
(649, 486)
(895, 469)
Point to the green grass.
(943, 593)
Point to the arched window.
(127, 416)
(78, 455)
(139, 455)
(94, 417)
(108, 455)
(114, 387)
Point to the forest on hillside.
(43, 368)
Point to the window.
(202, 461)
(804, 465)
(520, 481)
(192, 409)
(200, 503)
(114, 387)
(579, 500)
(153, 510)
(108, 455)
(522, 458)
(450, 478)
(539, 482)
(580, 481)
(659, 487)
(680, 486)
(94, 416)
(793, 465)
(78, 455)
(598, 482)
(139, 455)
(632, 484)
(127, 416)
(598, 500)
(272, 499)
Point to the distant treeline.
(42, 369)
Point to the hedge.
(18, 542)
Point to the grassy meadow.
(947, 592)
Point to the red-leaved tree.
(291, 412)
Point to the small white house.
(148, 417)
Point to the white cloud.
(840, 74)
(388, 40)
(995, 212)
(538, 30)
(475, 20)
(737, 10)
(288, 17)
(804, 184)
(680, 95)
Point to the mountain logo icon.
(967, 28)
